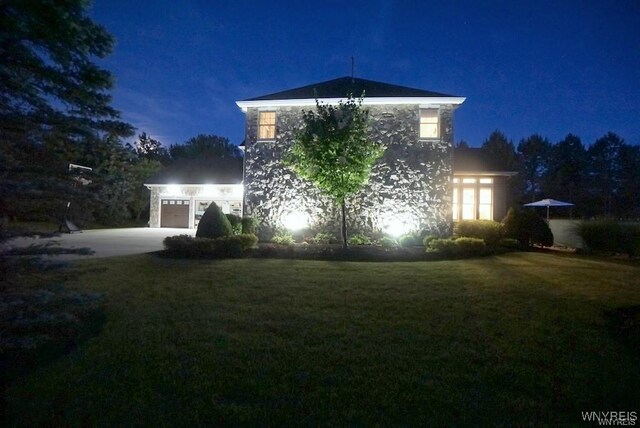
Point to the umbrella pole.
(547, 212)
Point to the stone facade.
(409, 188)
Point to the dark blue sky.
(550, 67)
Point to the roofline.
(486, 173)
(244, 105)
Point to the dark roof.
(200, 171)
(343, 86)
(470, 159)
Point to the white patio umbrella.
(549, 203)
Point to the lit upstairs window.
(429, 123)
(266, 125)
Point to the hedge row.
(185, 246)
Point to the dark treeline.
(37, 183)
(602, 179)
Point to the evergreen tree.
(534, 154)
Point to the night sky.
(548, 67)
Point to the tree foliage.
(534, 156)
(334, 151)
(205, 146)
(48, 82)
(149, 148)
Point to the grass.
(510, 340)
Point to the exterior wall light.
(173, 190)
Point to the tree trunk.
(344, 225)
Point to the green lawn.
(514, 339)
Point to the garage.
(174, 213)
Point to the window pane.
(456, 180)
(266, 125)
(485, 196)
(484, 212)
(428, 123)
(468, 196)
(468, 212)
(468, 180)
(486, 180)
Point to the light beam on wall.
(295, 220)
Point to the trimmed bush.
(610, 237)
(509, 243)
(249, 225)
(236, 223)
(283, 237)
(359, 239)
(488, 230)
(213, 224)
(189, 247)
(527, 227)
(427, 240)
(459, 247)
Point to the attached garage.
(174, 213)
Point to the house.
(419, 184)
(182, 192)
(413, 187)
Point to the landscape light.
(295, 220)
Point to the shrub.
(249, 225)
(459, 247)
(409, 240)
(359, 239)
(446, 247)
(283, 237)
(190, 247)
(610, 237)
(236, 223)
(509, 243)
(527, 227)
(388, 242)
(427, 240)
(322, 238)
(470, 246)
(488, 230)
(213, 224)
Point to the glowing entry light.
(295, 220)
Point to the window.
(429, 123)
(266, 125)
(472, 198)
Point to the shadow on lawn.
(625, 325)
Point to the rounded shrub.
(527, 227)
(388, 242)
(214, 224)
(409, 240)
(426, 241)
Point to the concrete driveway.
(108, 242)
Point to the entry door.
(174, 213)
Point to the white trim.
(426, 101)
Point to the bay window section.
(472, 198)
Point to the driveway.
(108, 242)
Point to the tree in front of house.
(565, 177)
(205, 146)
(334, 151)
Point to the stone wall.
(409, 188)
